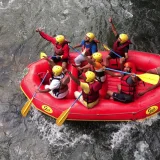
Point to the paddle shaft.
(106, 47)
(39, 86)
(118, 71)
(75, 100)
(76, 50)
(116, 53)
(27, 105)
(60, 120)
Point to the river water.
(36, 137)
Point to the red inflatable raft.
(107, 110)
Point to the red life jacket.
(125, 87)
(120, 48)
(93, 95)
(58, 49)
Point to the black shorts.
(122, 97)
(112, 55)
(59, 59)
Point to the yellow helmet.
(60, 39)
(123, 38)
(57, 70)
(91, 36)
(90, 76)
(97, 56)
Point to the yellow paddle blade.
(42, 55)
(149, 78)
(26, 108)
(106, 47)
(60, 120)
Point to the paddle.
(75, 49)
(146, 77)
(60, 120)
(42, 55)
(27, 106)
(106, 48)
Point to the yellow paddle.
(27, 106)
(42, 55)
(146, 77)
(60, 120)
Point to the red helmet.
(131, 66)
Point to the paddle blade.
(106, 47)
(149, 78)
(26, 108)
(60, 120)
(42, 55)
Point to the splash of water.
(61, 136)
(125, 130)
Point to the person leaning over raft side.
(120, 46)
(127, 87)
(61, 48)
(154, 71)
(90, 89)
(90, 43)
(58, 87)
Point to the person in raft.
(120, 46)
(90, 43)
(153, 71)
(58, 87)
(90, 89)
(127, 87)
(61, 48)
(96, 64)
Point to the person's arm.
(126, 56)
(76, 80)
(87, 66)
(126, 52)
(90, 61)
(53, 85)
(65, 52)
(77, 46)
(46, 36)
(113, 27)
(65, 80)
(43, 91)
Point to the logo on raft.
(151, 110)
(47, 109)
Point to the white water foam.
(123, 133)
(142, 151)
(125, 130)
(58, 135)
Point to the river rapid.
(37, 137)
